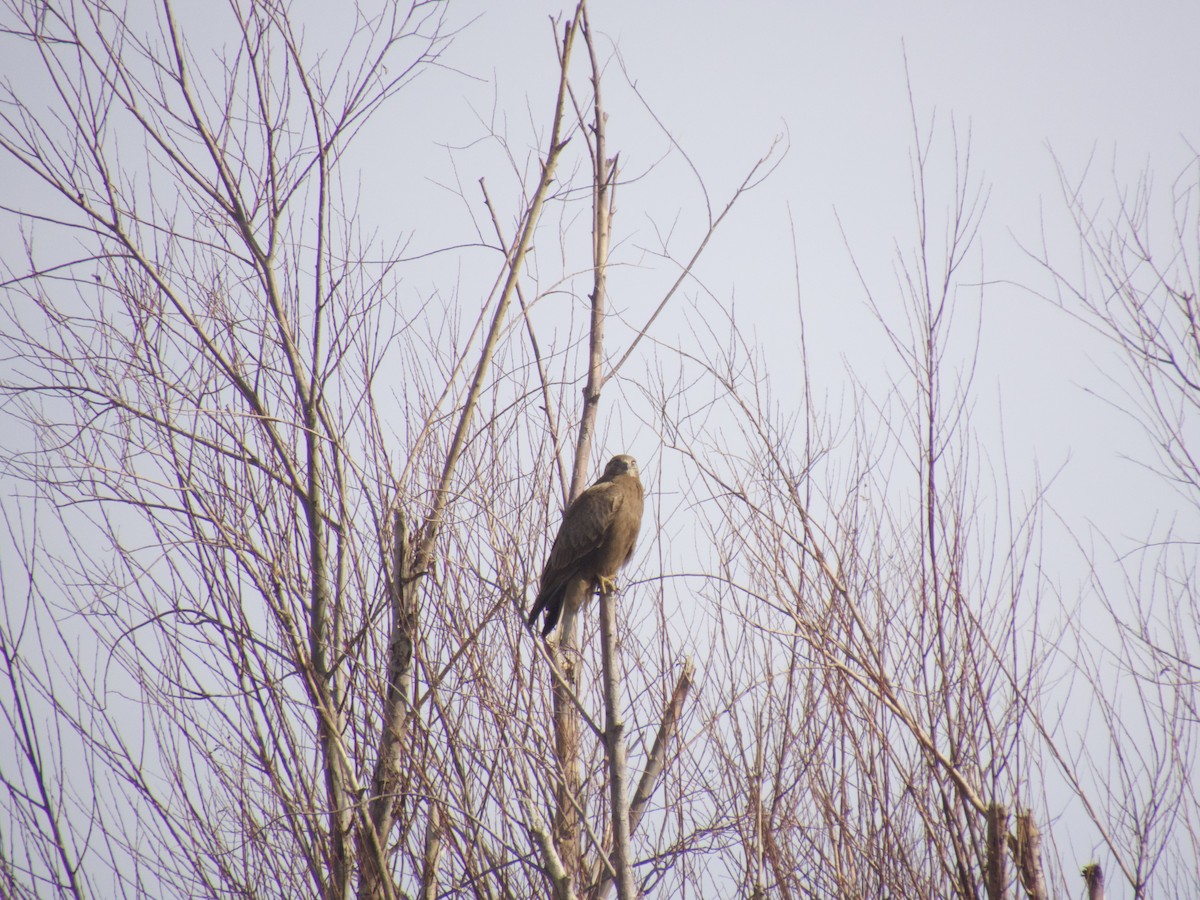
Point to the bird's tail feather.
(550, 603)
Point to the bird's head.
(624, 464)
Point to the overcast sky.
(1112, 83)
(1111, 89)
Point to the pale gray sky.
(1114, 83)
(1109, 82)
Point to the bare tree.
(1136, 285)
(276, 512)
(278, 524)
(871, 723)
(195, 377)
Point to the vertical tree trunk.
(1093, 876)
(568, 801)
(433, 852)
(410, 567)
(997, 851)
(614, 744)
(1029, 857)
(567, 797)
(655, 764)
(373, 880)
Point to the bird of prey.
(597, 536)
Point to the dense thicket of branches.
(272, 513)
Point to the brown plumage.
(596, 538)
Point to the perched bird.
(596, 538)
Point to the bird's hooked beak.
(623, 464)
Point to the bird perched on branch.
(596, 538)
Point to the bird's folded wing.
(585, 524)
